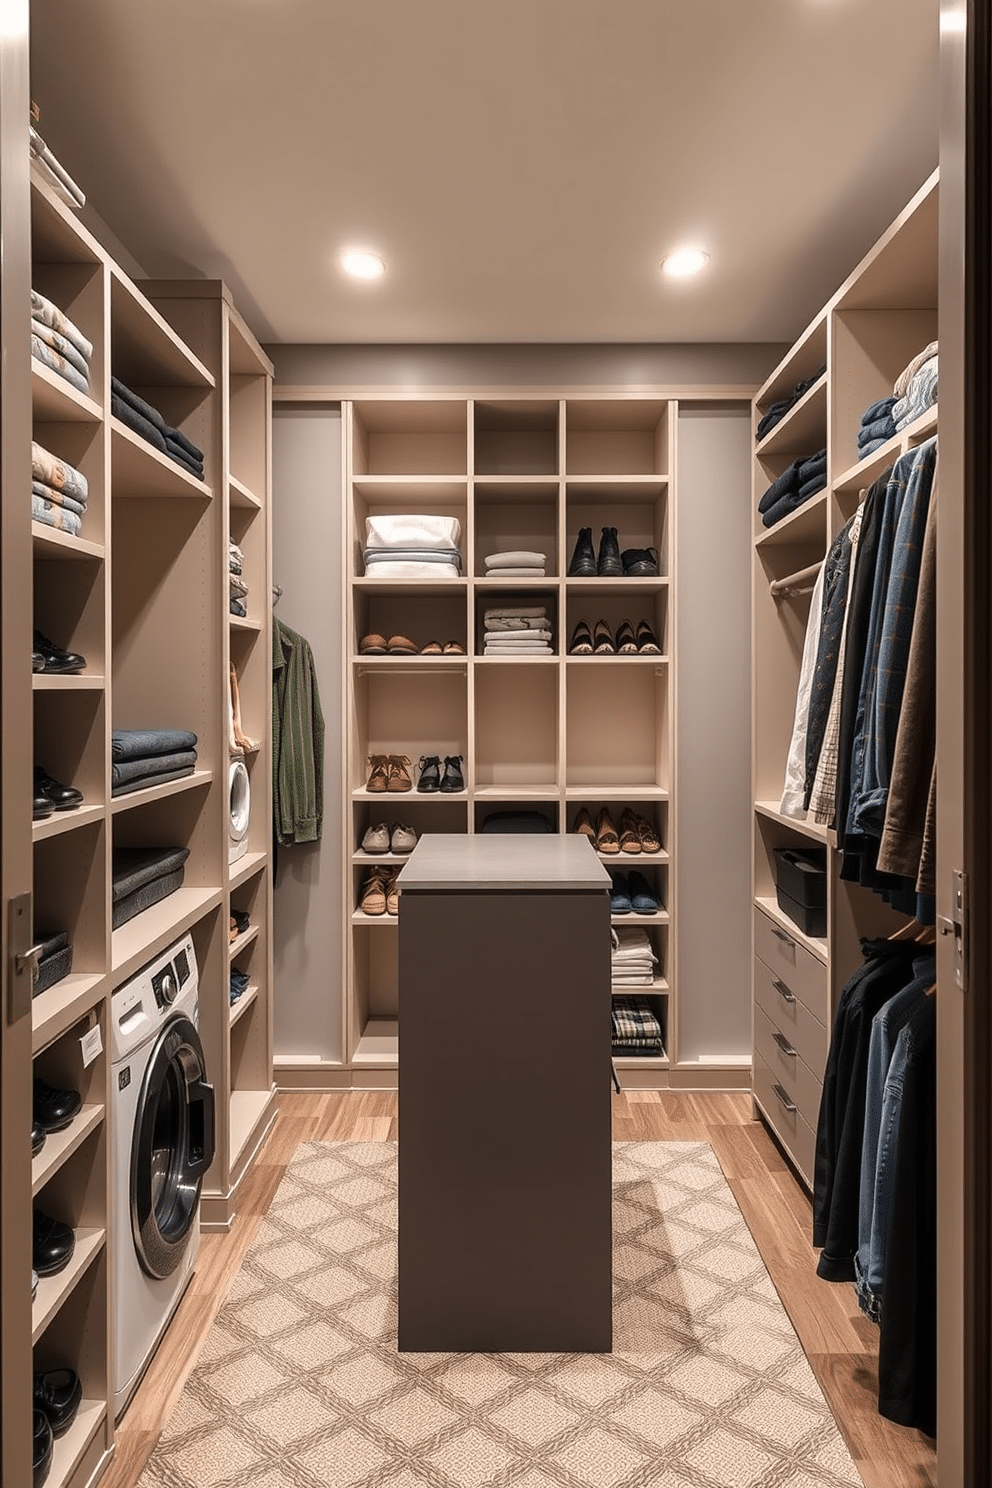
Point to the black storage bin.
(801, 887)
(516, 821)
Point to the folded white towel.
(509, 637)
(515, 612)
(516, 573)
(518, 558)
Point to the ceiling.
(521, 165)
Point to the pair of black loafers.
(57, 1397)
(51, 795)
(51, 659)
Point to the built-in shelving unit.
(140, 591)
(883, 314)
(546, 732)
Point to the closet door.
(15, 757)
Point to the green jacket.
(297, 740)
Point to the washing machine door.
(173, 1145)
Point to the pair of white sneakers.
(395, 837)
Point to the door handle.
(202, 1139)
(784, 1044)
(783, 990)
(785, 939)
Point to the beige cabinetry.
(881, 317)
(141, 593)
(548, 732)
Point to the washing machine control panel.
(139, 1005)
(181, 964)
(165, 986)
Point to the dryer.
(162, 1133)
(239, 807)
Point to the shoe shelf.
(54, 1291)
(520, 473)
(70, 1449)
(59, 1146)
(244, 1002)
(81, 682)
(66, 821)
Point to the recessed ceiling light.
(361, 264)
(684, 262)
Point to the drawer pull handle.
(783, 990)
(784, 1044)
(784, 1100)
(781, 935)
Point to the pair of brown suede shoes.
(400, 645)
(636, 833)
(380, 892)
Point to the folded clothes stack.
(517, 630)
(59, 344)
(776, 413)
(144, 420)
(238, 587)
(636, 1029)
(59, 492)
(143, 757)
(633, 959)
(54, 962)
(916, 387)
(516, 564)
(405, 546)
(240, 982)
(795, 486)
(54, 171)
(141, 876)
(877, 425)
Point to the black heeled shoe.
(581, 642)
(603, 639)
(647, 641)
(430, 774)
(452, 780)
(626, 642)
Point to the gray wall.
(354, 367)
(306, 562)
(713, 745)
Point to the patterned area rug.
(299, 1384)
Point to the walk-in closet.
(446, 424)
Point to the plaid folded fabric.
(635, 1021)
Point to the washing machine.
(162, 1134)
(239, 808)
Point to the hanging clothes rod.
(797, 583)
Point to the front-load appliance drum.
(239, 800)
(162, 1132)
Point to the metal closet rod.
(796, 583)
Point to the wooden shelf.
(239, 943)
(66, 821)
(379, 1044)
(641, 1061)
(657, 988)
(140, 939)
(660, 917)
(70, 682)
(59, 1146)
(54, 400)
(244, 1002)
(70, 1448)
(770, 810)
(865, 472)
(624, 790)
(146, 348)
(248, 1109)
(160, 792)
(48, 542)
(240, 495)
(803, 430)
(53, 1290)
(246, 867)
(141, 471)
(807, 525)
(358, 918)
(410, 586)
(516, 792)
(244, 622)
(655, 584)
(816, 945)
(54, 1011)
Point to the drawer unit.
(791, 1017)
(781, 1057)
(783, 1115)
(803, 974)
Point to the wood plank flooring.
(840, 1343)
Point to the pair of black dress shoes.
(432, 779)
(51, 795)
(632, 563)
(52, 1111)
(51, 659)
(58, 1394)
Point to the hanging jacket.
(297, 740)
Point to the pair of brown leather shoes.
(389, 772)
(636, 833)
(377, 645)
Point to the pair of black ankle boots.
(632, 563)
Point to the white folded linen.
(509, 637)
(411, 570)
(518, 558)
(516, 612)
(516, 573)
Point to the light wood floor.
(840, 1343)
